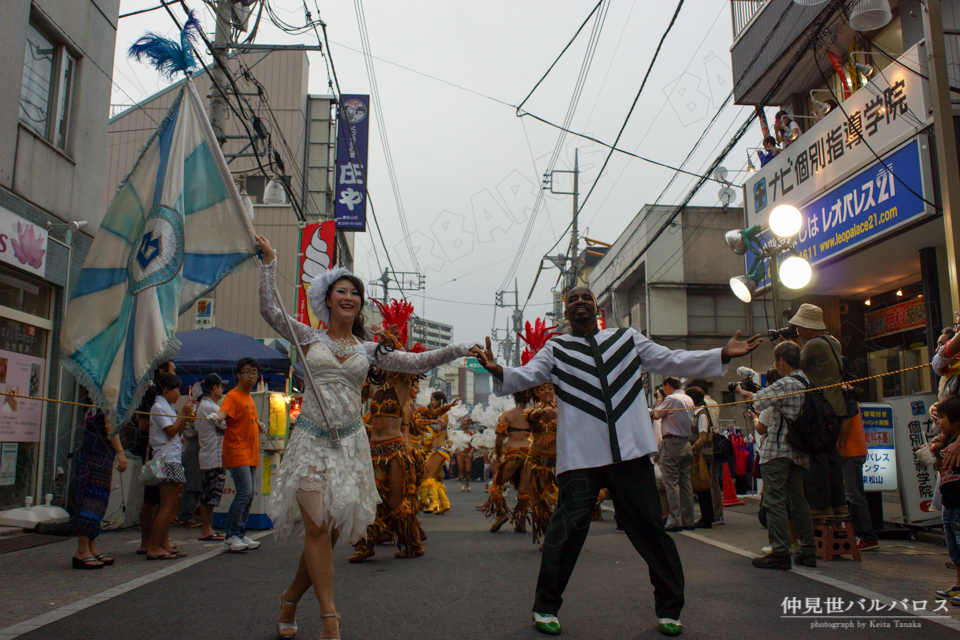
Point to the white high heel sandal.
(284, 629)
(336, 615)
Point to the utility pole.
(946, 142)
(572, 273)
(221, 42)
(516, 319)
(385, 281)
(574, 237)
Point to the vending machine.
(273, 410)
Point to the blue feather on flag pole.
(165, 55)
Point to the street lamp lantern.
(743, 287)
(739, 239)
(785, 221)
(795, 272)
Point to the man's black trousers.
(633, 488)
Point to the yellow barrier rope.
(726, 404)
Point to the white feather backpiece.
(501, 404)
(459, 440)
(477, 414)
(486, 439)
(457, 413)
(423, 398)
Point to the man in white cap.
(820, 361)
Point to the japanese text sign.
(880, 467)
(352, 168)
(896, 319)
(886, 112)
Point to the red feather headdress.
(395, 317)
(536, 336)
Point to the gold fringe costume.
(543, 479)
(496, 504)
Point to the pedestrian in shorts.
(210, 433)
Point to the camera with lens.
(786, 333)
(749, 383)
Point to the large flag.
(175, 228)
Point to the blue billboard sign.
(352, 168)
(866, 206)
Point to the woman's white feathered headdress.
(317, 293)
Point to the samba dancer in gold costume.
(513, 430)
(395, 467)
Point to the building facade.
(56, 85)
(864, 174)
(432, 334)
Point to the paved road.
(471, 585)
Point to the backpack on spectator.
(815, 429)
(722, 448)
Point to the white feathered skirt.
(335, 486)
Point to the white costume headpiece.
(317, 293)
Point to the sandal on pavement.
(547, 624)
(336, 615)
(107, 561)
(166, 556)
(287, 630)
(90, 563)
(213, 537)
(670, 627)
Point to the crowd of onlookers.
(187, 451)
(803, 479)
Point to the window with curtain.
(46, 89)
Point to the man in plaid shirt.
(783, 464)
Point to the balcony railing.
(743, 11)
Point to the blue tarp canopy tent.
(217, 351)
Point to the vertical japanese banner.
(316, 256)
(352, 168)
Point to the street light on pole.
(794, 272)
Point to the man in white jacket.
(605, 439)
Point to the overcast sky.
(467, 168)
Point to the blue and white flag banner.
(174, 230)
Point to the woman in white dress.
(332, 489)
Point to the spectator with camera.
(820, 361)
(770, 151)
(702, 443)
(713, 408)
(786, 128)
(783, 464)
(676, 453)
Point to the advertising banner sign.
(317, 243)
(880, 467)
(896, 319)
(22, 244)
(20, 417)
(911, 426)
(886, 112)
(352, 167)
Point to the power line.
(623, 127)
(571, 109)
(554, 63)
(384, 139)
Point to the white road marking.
(950, 623)
(13, 631)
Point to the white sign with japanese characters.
(874, 120)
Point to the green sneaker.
(547, 624)
(952, 592)
(670, 627)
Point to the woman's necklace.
(342, 347)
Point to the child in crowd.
(948, 416)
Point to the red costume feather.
(536, 336)
(395, 317)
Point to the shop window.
(715, 315)
(901, 384)
(46, 89)
(26, 295)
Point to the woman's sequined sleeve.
(270, 310)
(406, 362)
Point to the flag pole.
(331, 429)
